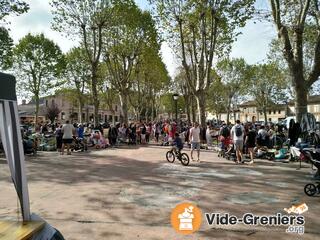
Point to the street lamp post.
(175, 98)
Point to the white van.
(286, 121)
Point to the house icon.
(186, 219)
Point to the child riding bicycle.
(177, 144)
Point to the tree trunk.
(146, 114)
(87, 114)
(156, 114)
(152, 111)
(95, 96)
(265, 115)
(193, 109)
(124, 106)
(201, 105)
(228, 110)
(293, 53)
(301, 101)
(187, 101)
(80, 112)
(37, 109)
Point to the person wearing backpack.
(224, 134)
(237, 135)
(224, 131)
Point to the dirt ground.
(129, 193)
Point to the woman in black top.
(251, 142)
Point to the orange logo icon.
(186, 218)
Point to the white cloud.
(169, 58)
(38, 20)
(252, 45)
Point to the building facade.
(248, 111)
(68, 111)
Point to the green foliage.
(130, 32)
(268, 85)
(232, 85)
(77, 71)
(38, 62)
(217, 98)
(168, 103)
(129, 29)
(233, 76)
(86, 20)
(199, 17)
(8, 7)
(79, 17)
(295, 22)
(200, 31)
(6, 44)
(131, 54)
(109, 98)
(275, 53)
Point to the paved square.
(128, 193)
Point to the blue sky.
(252, 45)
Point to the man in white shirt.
(237, 134)
(195, 139)
(67, 138)
(263, 136)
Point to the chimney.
(24, 102)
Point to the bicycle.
(182, 157)
(311, 189)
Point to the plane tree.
(7, 8)
(131, 31)
(267, 84)
(298, 27)
(233, 76)
(200, 31)
(39, 64)
(77, 76)
(85, 21)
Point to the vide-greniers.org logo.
(295, 223)
(186, 219)
(251, 219)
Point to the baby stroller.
(78, 145)
(224, 146)
(230, 153)
(312, 156)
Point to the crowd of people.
(244, 138)
(249, 137)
